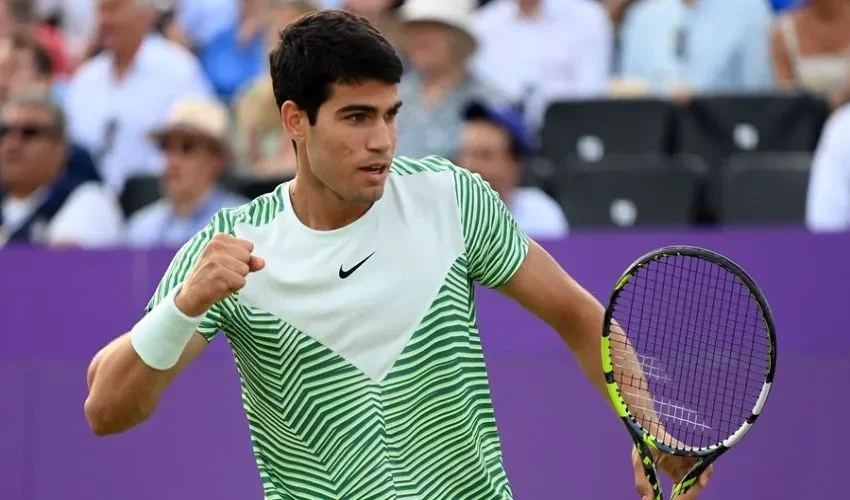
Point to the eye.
(391, 116)
(356, 118)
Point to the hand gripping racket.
(689, 353)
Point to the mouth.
(376, 172)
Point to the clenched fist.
(220, 270)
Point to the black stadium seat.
(594, 128)
(631, 191)
(139, 192)
(714, 128)
(766, 188)
(719, 126)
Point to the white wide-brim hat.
(456, 14)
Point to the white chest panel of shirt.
(362, 290)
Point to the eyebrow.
(366, 108)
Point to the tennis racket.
(689, 353)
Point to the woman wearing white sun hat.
(439, 85)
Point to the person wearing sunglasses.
(194, 142)
(44, 199)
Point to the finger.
(705, 476)
(234, 280)
(247, 245)
(235, 264)
(642, 484)
(256, 263)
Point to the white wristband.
(162, 334)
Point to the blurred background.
(608, 127)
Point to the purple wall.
(559, 438)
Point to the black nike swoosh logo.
(345, 274)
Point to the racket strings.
(701, 349)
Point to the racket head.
(681, 377)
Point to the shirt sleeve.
(828, 198)
(90, 218)
(495, 245)
(181, 267)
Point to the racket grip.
(649, 469)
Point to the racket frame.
(644, 441)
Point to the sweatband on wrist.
(162, 334)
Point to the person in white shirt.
(195, 143)
(116, 98)
(828, 199)
(539, 51)
(495, 145)
(44, 197)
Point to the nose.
(382, 137)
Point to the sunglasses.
(27, 132)
(185, 146)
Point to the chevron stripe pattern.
(322, 429)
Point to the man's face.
(430, 45)
(193, 164)
(31, 150)
(351, 146)
(120, 21)
(485, 150)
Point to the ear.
(294, 121)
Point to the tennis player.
(346, 295)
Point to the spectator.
(262, 147)
(811, 49)
(43, 200)
(238, 54)
(496, 145)
(195, 23)
(536, 51)
(195, 143)
(684, 47)
(382, 14)
(440, 84)
(32, 68)
(828, 200)
(118, 96)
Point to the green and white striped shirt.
(369, 383)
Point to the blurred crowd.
(130, 122)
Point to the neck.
(124, 57)
(317, 207)
(441, 82)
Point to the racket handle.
(694, 474)
(649, 469)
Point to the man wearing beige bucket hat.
(439, 44)
(194, 142)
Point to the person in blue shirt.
(685, 47)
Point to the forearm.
(582, 334)
(123, 390)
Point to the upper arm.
(495, 246)
(828, 198)
(546, 290)
(781, 58)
